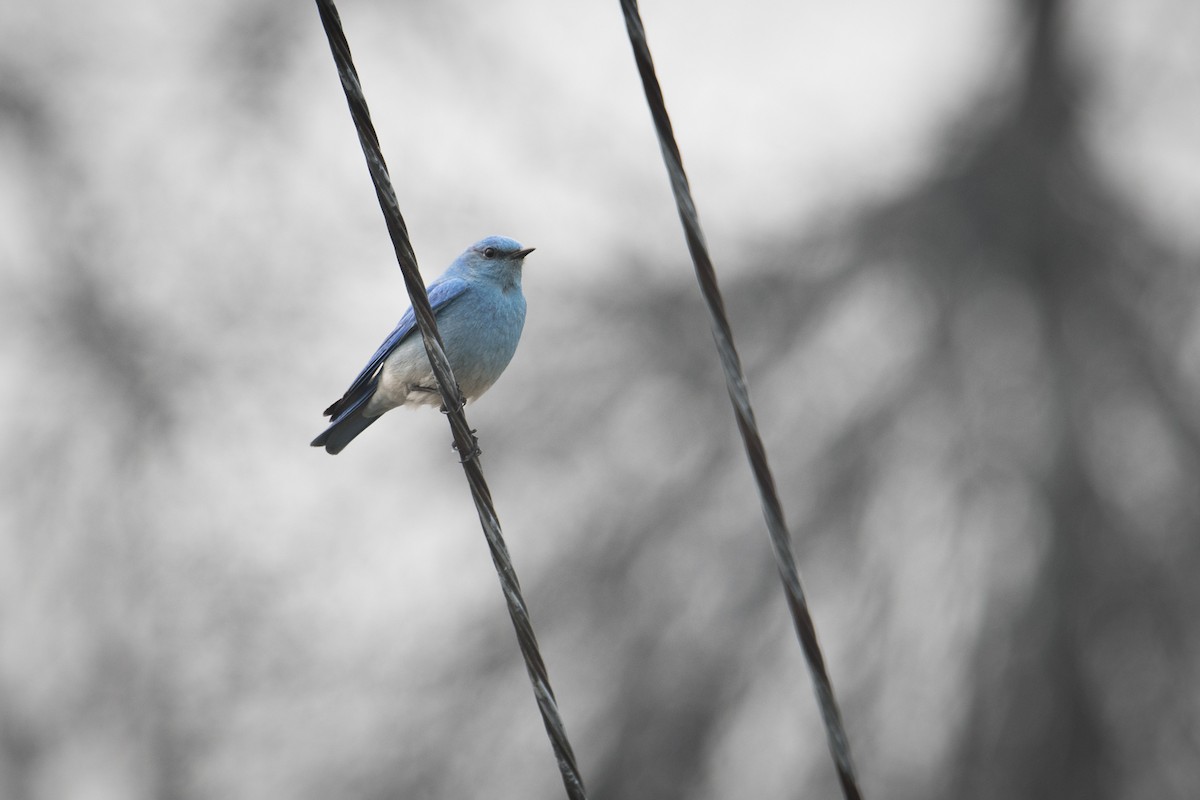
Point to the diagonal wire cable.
(735, 380)
(452, 401)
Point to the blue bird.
(480, 312)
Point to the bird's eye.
(489, 252)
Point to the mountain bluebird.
(480, 312)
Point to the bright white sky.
(527, 118)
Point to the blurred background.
(960, 250)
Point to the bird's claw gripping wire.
(475, 452)
(462, 402)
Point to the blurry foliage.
(980, 399)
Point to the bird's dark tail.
(348, 424)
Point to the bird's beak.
(517, 256)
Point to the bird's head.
(498, 257)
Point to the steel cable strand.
(452, 401)
(839, 745)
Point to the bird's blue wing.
(441, 293)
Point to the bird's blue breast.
(481, 329)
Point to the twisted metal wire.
(735, 380)
(452, 401)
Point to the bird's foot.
(462, 401)
(474, 451)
